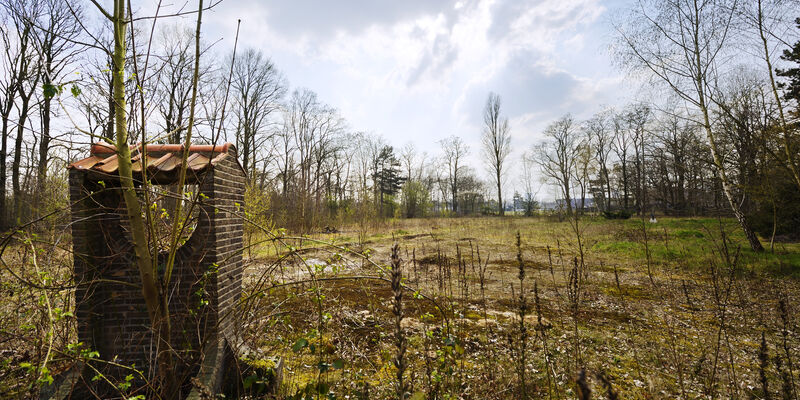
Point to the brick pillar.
(205, 286)
(225, 204)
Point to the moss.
(472, 315)
(265, 364)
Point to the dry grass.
(683, 322)
(694, 330)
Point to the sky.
(420, 70)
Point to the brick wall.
(206, 280)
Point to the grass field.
(664, 310)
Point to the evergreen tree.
(387, 178)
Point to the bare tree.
(95, 102)
(15, 45)
(598, 130)
(637, 118)
(584, 167)
(454, 152)
(528, 160)
(675, 135)
(557, 156)
(311, 132)
(175, 80)
(680, 42)
(23, 15)
(496, 142)
(57, 31)
(621, 145)
(257, 88)
(408, 156)
(285, 159)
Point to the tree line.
(307, 165)
(722, 141)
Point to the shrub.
(621, 214)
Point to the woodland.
(664, 264)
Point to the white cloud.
(420, 70)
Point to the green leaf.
(76, 91)
(248, 382)
(338, 363)
(300, 344)
(49, 90)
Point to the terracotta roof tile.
(160, 159)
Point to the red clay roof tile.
(159, 158)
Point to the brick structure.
(207, 276)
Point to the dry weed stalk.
(582, 385)
(522, 311)
(789, 385)
(574, 296)
(397, 310)
(542, 331)
(763, 362)
(610, 393)
(552, 272)
(487, 328)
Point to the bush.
(621, 214)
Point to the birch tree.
(599, 134)
(681, 44)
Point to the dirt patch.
(411, 237)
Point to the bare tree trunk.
(455, 199)
(44, 146)
(608, 188)
(111, 108)
(3, 174)
(17, 162)
(625, 194)
(500, 207)
(568, 198)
